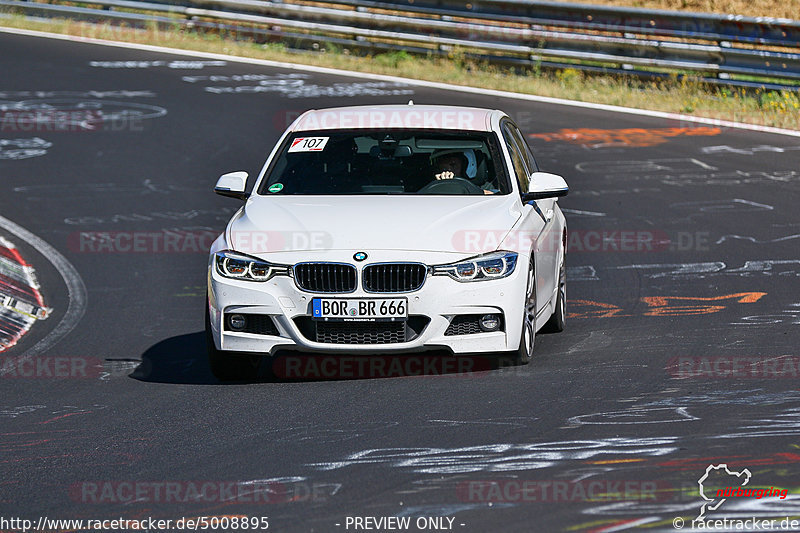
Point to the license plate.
(359, 309)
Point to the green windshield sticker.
(276, 187)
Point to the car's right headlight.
(234, 265)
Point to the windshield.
(387, 162)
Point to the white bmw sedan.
(383, 229)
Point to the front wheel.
(227, 366)
(523, 354)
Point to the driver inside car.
(449, 164)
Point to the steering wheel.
(451, 186)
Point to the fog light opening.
(490, 322)
(236, 322)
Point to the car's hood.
(425, 223)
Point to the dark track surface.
(599, 402)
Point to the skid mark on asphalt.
(296, 85)
(791, 315)
(10, 95)
(174, 64)
(503, 457)
(754, 240)
(511, 421)
(682, 172)
(725, 149)
(635, 416)
(17, 149)
(73, 191)
(75, 114)
(679, 271)
(723, 206)
(749, 397)
(216, 214)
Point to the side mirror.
(232, 184)
(545, 185)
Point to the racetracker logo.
(716, 485)
(739, 492)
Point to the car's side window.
(516, 159)
(527, 154)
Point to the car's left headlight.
(494, 265)
(234, 265)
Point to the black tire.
(559, 316)
(228, 366)
(523, 354)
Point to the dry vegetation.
(752, 8)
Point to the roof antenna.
(411, 102)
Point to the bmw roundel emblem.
(359, 256)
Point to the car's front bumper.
(434, 304)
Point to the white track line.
(419, 83)
(75, 287)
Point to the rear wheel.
(227, 366)
(559, 316)
(523, 354)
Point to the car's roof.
(439, 117)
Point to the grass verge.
(765, 108)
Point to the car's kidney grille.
(325, 277)
(361, 332)
(394, 277)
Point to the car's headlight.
(238, 266)
(494, 265)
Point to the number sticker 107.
(308, 144)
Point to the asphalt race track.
(680, 350)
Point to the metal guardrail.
(723, 49)
(734, 28)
